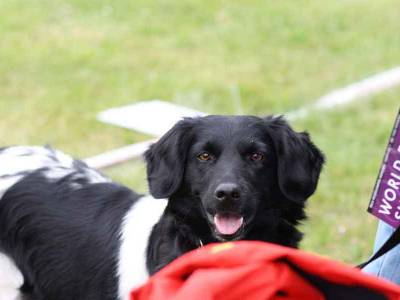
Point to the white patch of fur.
(5, 184)
(135, 232)
(21, 159)
(63, 159)
(56, 164)
(95, 177)
(10, 279)
(92, 176)
(54, 173)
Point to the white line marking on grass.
(119, 155)
(355, 91)
(152, 117)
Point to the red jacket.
(256, 271)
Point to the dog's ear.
(299, 160)
(166, 159)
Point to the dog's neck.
(192, 221)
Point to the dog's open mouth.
(228, 224)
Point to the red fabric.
(252, 270)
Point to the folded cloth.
(257, 270)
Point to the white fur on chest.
(135, 232)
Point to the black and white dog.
(68, 232)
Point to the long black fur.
(64, 241)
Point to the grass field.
(61, 62)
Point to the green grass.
(354, 140)
(61, 62)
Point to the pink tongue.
(228, 224)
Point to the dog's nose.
(227, 191)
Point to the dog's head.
(231, 167)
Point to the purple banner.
(385, 201)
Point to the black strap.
(393, 241)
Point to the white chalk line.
(117, 156)
(339, 97)
(351, 93)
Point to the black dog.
(73, 234)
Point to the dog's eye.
(204, 156)
(256, 156)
